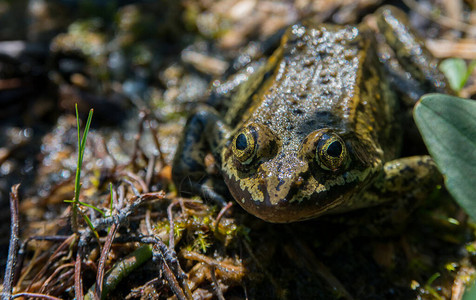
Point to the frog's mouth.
(282, 197)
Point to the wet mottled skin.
(315, 129)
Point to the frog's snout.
(282, 178)
(271, 193)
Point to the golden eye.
(244, 145)
(252, 145)
(331, 152)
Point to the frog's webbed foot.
(406, 183)
(203, 134)
(414, 71)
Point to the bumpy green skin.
(322, 81)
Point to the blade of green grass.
(91, 226)
(111, 202)
(77, 180)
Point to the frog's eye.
(244, 145)
(326, 148)
(254, 143)
(331, 152)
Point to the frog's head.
(281, 181)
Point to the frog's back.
(326, 76)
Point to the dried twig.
(222, 213)
(35, 295)
(121, 196)
(49, 238)
(170, 267)
(57, 253)
(137, 179)
(171, 222)
(102, 259)
(150, 171)
(106, 149)
(148, 223)
(78, 281)
(137, 137)
(171, 279)
(56, 272)
(217, 286)
(65, 281)
(14, 244)
(157, 142)
(121, 217)
(230, 270)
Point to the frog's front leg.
(203, 133)
(414, 176)
(406, 182)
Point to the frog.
(315, 128)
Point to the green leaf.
(448, 127)
(455, 71)
(470, 292)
